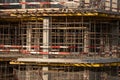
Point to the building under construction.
(59, 39)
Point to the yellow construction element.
(16, 62)
(66, 64)
(38, 16)
(89, 65)
(65, 14)
(58, 14)
(27, 15)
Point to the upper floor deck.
(111, 6)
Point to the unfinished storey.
(59, 39)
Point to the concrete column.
(45, 43)
(108, 5)
(23, 5)
(28, 37)
(86, 41)
(114, 5)
(28, 69)
(86, 1)
(46, 35)
(86, 74)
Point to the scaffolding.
(59, 40)
(35, 72)
(67, 35)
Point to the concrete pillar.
(46, 35)
(45, 43)
(108, 5)
(114, 5)
(23, 5)
(86, 41)
(86, 74)
(28, 37)
(87, 3)
(28, 69)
